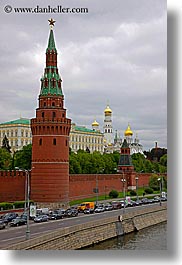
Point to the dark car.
(8, 217)
(57, 214)
(116, 205)
(88, 211)
(41, 218)
(71, 212)
(138, 202)
(2, 224)
(145, 201)
(18, 221)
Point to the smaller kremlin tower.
(125, 166)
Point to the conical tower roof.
(51, 42)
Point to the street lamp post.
(27, 200)
(136, 178)
(123, 180)
(160, 183)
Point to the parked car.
(2, 224)
(116, 205)
(156, 199)
(8, 217)
(145, 201)
(122, 203)
(108, 207)
(71, 212)
(41, 218)
(131, 203)
(57, 214)
(138, 202)
(99, 209)
(88, 211)
(18, 221)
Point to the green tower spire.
(51, 42)
(51, 80)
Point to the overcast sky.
(116, 53)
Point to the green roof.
(84, 129)
(51, 42)
(19, 121)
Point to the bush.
(6, 205)
(148, 190)
(133, 193)
(113, 194)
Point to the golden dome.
(107, 110)
(128, 131)
(95, 123)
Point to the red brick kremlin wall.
(12, 185)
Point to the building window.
(40, 141)
(42, 114)
(53, 104)
(53, 114)
(54, 141)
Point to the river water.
(151, 238)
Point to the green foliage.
(95, 163)
(148, 190)
(6, 205)
(153, 182)
(113, 194)
(142, 164)
(23, 158)
(133, 193)
(5, 159)
(163, 160)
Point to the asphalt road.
(12, 235)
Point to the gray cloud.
(117, 52)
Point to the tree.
(5, 144)
(5, 159)
(153, 182)
(23, 158)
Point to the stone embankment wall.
(83, 235)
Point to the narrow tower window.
(54, 141)
(40, 141)
(53, 114)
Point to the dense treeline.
(83, 162)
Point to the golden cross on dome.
(51, 23)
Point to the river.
(150, 238)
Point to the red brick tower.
(50, 137)
(125, 166)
